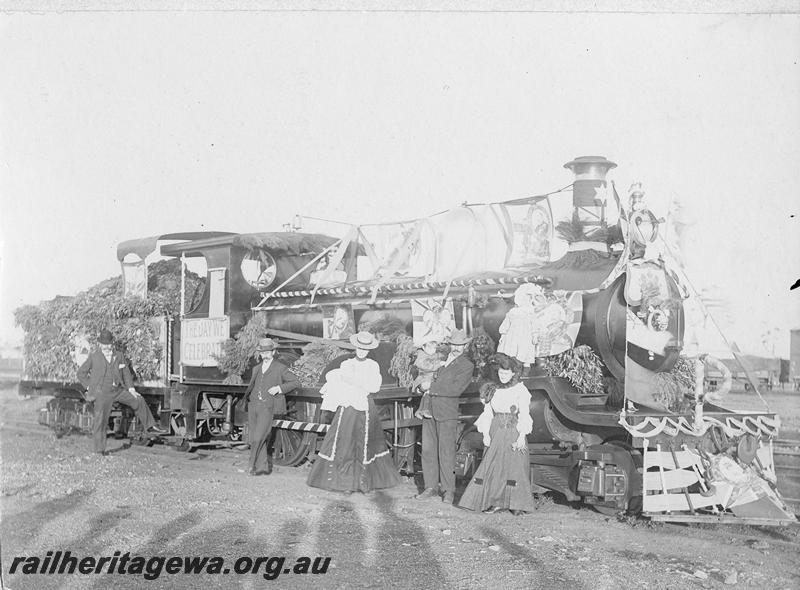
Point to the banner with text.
(201, 338)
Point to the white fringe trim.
(366, 440)
(335, 440)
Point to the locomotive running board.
(720, 519)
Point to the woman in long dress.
(502, 481)
(354, 456)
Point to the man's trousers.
(259, 421)
(439, 453)
(102, 411)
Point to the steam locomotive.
(614, 451)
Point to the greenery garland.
(675, 388)
(581, 366)
(574, 230)
(53, 327)
(316, 356)
(238, 352)
(403, 360)
(385, 327)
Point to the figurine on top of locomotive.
(590, 306)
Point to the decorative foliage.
(48, 344)
(237, 353)
(164, 277)
(316, 357)
(675, 389)
(581, 366)
(574, 230)
(403, 360)
(571, 230)
(386, 327)
(290, 243)
(479, 349)
(53, 327)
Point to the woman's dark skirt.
(354, 456)
(503, 477)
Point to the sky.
(118, 125)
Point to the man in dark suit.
(107, 379)
(265, 397)
(439, 431)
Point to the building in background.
(794, 359)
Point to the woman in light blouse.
(502, 482)
(354, 456)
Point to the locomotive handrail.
(413, 286)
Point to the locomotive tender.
(461, 268)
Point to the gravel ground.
(55, 495)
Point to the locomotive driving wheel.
(403, 444)
(291, 447)
(629, 462)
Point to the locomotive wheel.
(290, 447)
(184, 447)
(405, 455)
(632, 503)
(235, 435)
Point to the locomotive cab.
(239, 271)
(241, 268)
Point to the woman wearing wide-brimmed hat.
(354, 456)
(502, 481)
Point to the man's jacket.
(448, 385)
(260, 383)
(99, 376)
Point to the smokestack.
(590, 180)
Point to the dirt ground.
(57, 496)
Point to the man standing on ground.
(265, 397)
(439, 431)
(107, 379)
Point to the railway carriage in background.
(616, 424)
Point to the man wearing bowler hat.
(265, 397)
(439, 431)
(107, 379)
